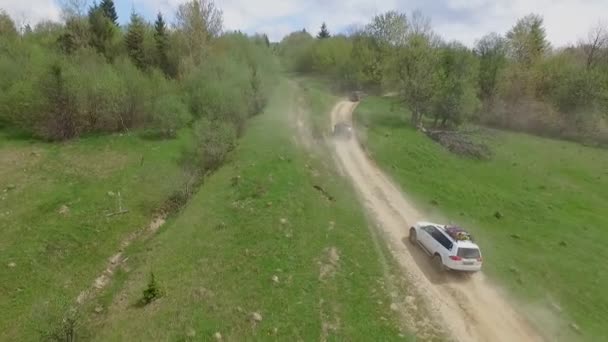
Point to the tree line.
(515, 80)
(87, 74)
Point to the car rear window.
(468, 253)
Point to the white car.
(451, 247)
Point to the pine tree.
(162, 43)
(107, 6)
(134, 40)
(102, 30)
(324, 33)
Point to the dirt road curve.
(469, 308)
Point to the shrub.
(168, 114)
(152, 291)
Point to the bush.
(167, 115)
(152, 291)
(214, 140)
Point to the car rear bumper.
(464, 268)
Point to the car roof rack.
(458, 234)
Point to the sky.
(566, 21)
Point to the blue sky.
(465, 20)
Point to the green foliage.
(528, 40)
(161, 38)
(103, 32)
(390, 28)
(109, 11)
(7, 26)
(152, 291)
(323, 33)
(455, 95)
(416, 75)
(491, 50)
(134, 41)
(168, 114)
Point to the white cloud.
(30, 11)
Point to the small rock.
(575, 327)
(11, 187)
(498, 215)
(275, 330)
(556, 308)
(111, 193)
(256, 317)
(99, 309)
(269, 204)
(12, 264)
(240, 309)
(64, 210)
(394, 307)
(191, 332)
(217, 336)
(275, 279)
(563, 243)
(283, 221)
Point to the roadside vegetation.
(536, 208)
(103, 128)
(514, 80)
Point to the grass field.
(56, 236)
(549, 247)
(258, 237)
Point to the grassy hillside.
(549, 246)
(259, 238)
(54, 199)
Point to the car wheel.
(412, 237)
(438, 263)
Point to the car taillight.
(455, 257)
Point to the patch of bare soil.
(117, 260)
(471, 309)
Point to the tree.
(528, 40)
(455, 95)
(416, 77)
(595, 46)
(7, 25)
(324, 33)
(161, 38)
(134, 41)
(76, 35)
(389, 28)
(107, 6)
(102, 31)
(199, 21)
(491, 50)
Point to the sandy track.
(469, 308)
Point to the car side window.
(429, 229)
(442, 239)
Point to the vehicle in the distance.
(343, 130)
(451, 247)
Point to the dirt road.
(470, 309)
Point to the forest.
(513, 80)
(89, 75)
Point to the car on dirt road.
(451, 247)
(343, 130)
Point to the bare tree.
(73, 8)
(595, 44)
(199, 21)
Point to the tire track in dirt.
(470, 309)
